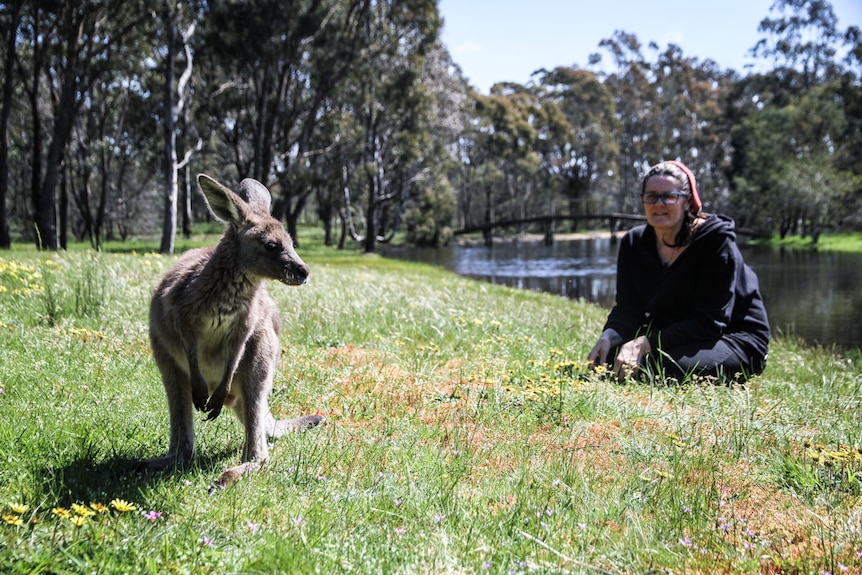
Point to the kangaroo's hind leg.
(178, 392)
(252, 386)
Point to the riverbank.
(845, 242)
(463, 434)
(848, 242)
(477, 240)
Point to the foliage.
(463, 434)
(428, 222)
(350, 109)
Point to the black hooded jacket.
(708, 293)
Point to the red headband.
(696, 205)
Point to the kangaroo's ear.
(256, 194)
(225, 205)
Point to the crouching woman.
(686, 302)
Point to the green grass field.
(463, 434)
(843, 242)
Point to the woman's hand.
(607, 341)
(630, 356)
(599, 354)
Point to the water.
(812, 295)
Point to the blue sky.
(507, 40)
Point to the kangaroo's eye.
(270, 246)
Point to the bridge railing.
(612, 219)
(486, 228)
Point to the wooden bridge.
(547, 223)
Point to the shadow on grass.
(83, 480)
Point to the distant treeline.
(355, 115)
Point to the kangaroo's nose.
(296, 273)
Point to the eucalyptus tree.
(787, 173)
(10, 20)
(269, 68)
(336, 137)
(688, 118)
(89, 165)
(801, 41)
(794, 156)
(578, 146)
(113, 171)
(503, 153)
(430, 213)
(30, 54)
(71, 46)
(390, 102)
(634, 100)
(477, 173)
(176, 30)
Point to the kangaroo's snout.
(295, 273)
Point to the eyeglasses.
(667, 198)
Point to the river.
(808, 294)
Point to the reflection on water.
(811, 295)
(575, 269)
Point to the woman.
(686, 303)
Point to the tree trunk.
(71, 83)
(169, 226)
(46, 208)
(5, 113)
(293, 219)
(371, 217)
(102, 208)
(64, 212)
(174, 105)
(187, 183)
(342, 239)
(187, 203)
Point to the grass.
(844, 242)
(463, 435)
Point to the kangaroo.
(214, 328)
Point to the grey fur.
(214, 329)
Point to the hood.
(716, 224)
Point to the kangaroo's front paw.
(216, 402)
(199, 394)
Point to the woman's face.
(666, 219)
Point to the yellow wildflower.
(82, 511)
(99, 507)
(12, 519)
(61, 512)
(19, 508)
(122, 505)
(78, 520)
